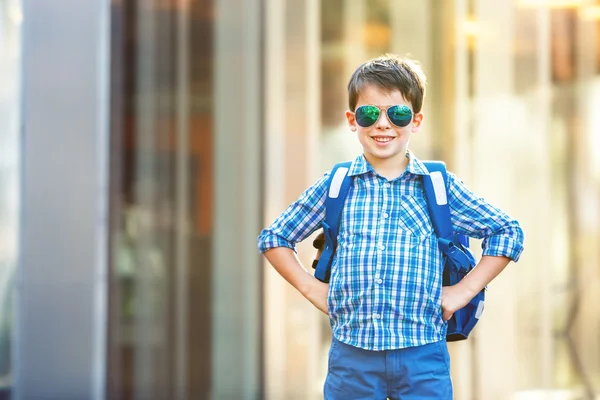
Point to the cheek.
(363, 134)
(363, 138)
(405, 131)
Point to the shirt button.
(387, 185)
(381, 247)
(376, 316)
(380, 281)
(385, 215)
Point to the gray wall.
(61, 282)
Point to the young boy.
(385, 301)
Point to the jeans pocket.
(332, 354)
(443, 348)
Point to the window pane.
(161, 209)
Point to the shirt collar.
(416, 166)
(361, 166)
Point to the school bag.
(458, 258)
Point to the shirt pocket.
(414, 217)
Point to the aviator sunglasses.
(398, 115)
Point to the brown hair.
(390, 72)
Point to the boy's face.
(383, 140)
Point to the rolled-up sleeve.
(473, 216)
(298, 221)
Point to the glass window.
(161, 200)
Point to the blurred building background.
(144, 144)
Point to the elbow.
(508, 242)
(269, 240)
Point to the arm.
(286, 263)
(456, 297)
(502, 242)
(277, 242)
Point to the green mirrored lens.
(400, 115)
(366, 115)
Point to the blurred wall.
(511, 93)
(158, 137)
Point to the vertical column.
(463, 40)
(292, 328)
(61, 282)
(315, 366)
(440, 105)
(182, 203)
(238, 140)
(587, 198)
(146, 358)
(411, 26)
(493, 145)
(275, 354)
(542, 279)
(302, 125)
(354, 20)
(457, 152)
(10, 158)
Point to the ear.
(350, 116)
(417, 121)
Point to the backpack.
(458, 258)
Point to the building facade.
(145, 144)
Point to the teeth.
(382, 139)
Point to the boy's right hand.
(317, 293)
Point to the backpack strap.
(437, 198)
(458, 258)
(338, 186)
(451, 244)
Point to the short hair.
(390, 72)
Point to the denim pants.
(412, 373)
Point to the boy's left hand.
(453, 299)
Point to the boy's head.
(385, 97)
(388, 73)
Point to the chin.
(385, 154)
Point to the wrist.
(468, 290)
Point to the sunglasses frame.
(383, 110)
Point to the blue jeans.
(421, 372)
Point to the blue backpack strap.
(437, 198)
(451, 244)
(338, 186)
(459, 259)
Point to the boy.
(385, 301)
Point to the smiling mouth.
(382, 139)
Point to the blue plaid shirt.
(386, 279)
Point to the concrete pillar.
(62, 270)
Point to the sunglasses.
(398, 115)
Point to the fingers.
(324, 309)
(447, 315)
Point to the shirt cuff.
(268, 240)
(510, 246)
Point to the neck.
(389, 168)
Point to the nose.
(383, 123)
